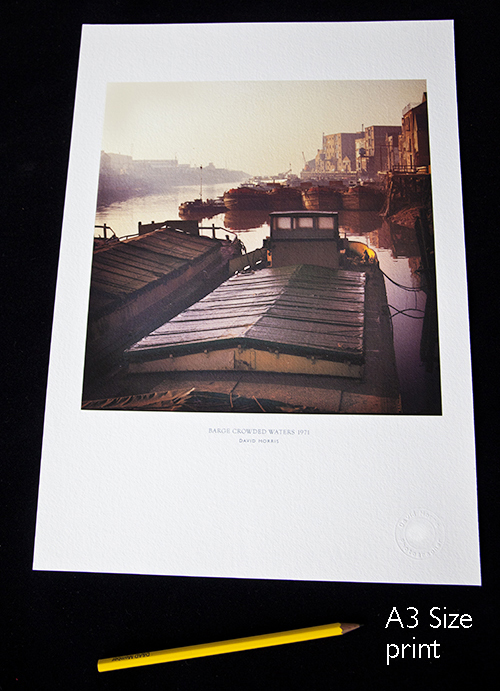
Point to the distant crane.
(306, 165)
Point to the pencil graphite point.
(349, 627)
(232, 646)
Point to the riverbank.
(122, 178)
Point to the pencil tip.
(349, 627)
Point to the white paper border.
(113, 482)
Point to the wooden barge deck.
(376, 391)
(310, 334)
(293, 319)
(139, 283)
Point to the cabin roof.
(302, 212)
(303, 309)
(123, 268)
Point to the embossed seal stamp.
(419, 533)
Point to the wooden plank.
(122, 274)
(185, 239)
(188, 327)
(306, 308)
(353, 342)
(168, 244)
(306, 300)
(174, 251)
(301, 327)
(112, 283)
(335, 276)
(234, 296)
(178, 244)
(315, 317)
(160, 340)
(276, 331)
(195, 319)
(214, 305)
(326, 289)
(250, 280)
(219, 296)
(319, 272)
(128, 270)
(135, 263)
(143, 258)
(198, 316)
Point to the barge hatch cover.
(297, 319)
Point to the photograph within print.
(290, 267)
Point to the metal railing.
(106, 228)
(165, 224)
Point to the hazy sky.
(259, 127)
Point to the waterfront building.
(320, 162)
(117, 164)
(393, 158)
(347, 164)
(414, 150)
(336, 157)
(372, 151)
(339, 150)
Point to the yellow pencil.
(235, 645)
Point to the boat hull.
(322, 199)
(286, 198)
(247, 199)
(363, 199)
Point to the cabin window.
(326, 222)
(305, 222)
(284, 222)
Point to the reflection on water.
(407, 288)
(399, 256)
(245, 220)
(359, 222)
(123, 217)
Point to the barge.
(363, 198)
(202, 209)
(322, 198)
(139, 282)
(310, 333)
(269, 197)
(247, 198)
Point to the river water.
(396, 247)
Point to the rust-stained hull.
(285, 198)
(247, 199)
(322, 198)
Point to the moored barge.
(363, 198)
(246, 198)
(139, 282)
(311, 333)
(322, 198)
(203, 209)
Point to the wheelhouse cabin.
(306, 237)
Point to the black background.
(54, 626)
